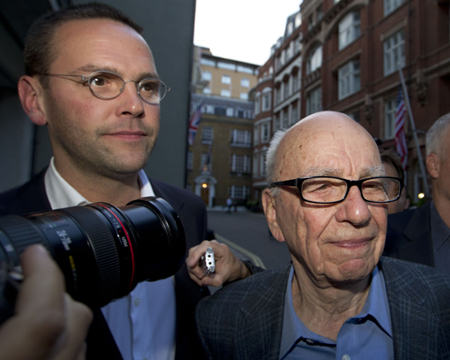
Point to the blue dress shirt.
(365, 336)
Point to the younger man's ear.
(31, 96)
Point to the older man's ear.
(268, 202)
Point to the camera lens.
(103, 251)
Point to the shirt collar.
(376, 305)
(61, 194)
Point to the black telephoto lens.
(103, 251)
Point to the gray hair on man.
(435, 134)
(271, 159)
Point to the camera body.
(103, 251)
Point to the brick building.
(276, 96)
(219, 161)
(351, 50)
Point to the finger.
(72, 345)
(40, 311)
(196, 252)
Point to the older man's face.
(338, 242)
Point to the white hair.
(271, 158)
(435, 134)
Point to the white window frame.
(207, 135)
(225, 93)
(390, 108)
(391, 5)
(256, 135)
(243, 96)
(349, 79)
(229, 112)
(245, 82)
(266, 101)
(240, 163)
(241, 138)
(226, 79)
(394, 52)
(265, 132)
(349, 29)
(314, 60)
(314, 101)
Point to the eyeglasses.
(331, 189)
(108, 85)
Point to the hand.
(228, 267)
(48, 323)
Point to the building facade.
(352, 50)
(276, 96)
(219, 160)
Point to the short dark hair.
(40, 52)
(389, 156)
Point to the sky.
(242, 30)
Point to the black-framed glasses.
(331, 189)
(108, 85)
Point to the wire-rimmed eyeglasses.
(108, 85)
(331, 189)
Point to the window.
(230, 111)
(207, 135)
(245, 69)
(206, 75)
(238, 192)
(209, 109)
(349, 29)
(266, 102)
(315, 60)
(257, 104)
(294, 114)
(256, 135)
(311, 22)
(207, 62)
(245, 82)
(390, 107)
(255, 165)
(206, 90)
(262, 163)
(355, 116)
(391, 5)
(240, 164)
(205, 162)
(349, 79)
(394, 53)
(243, 96)
(228, 66)
(226, 79)
(265, 133)
(220, 110)
(314, 101)
(241, 138)
(277, 123)
(225, 93)
(286, 119)
(319, 13)
(298, 20)
(190, 160)
(296, 82)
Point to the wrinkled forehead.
(331, 146)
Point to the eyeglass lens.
(108, 86)
(326, 190)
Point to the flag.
(193, 123)
(400, 138)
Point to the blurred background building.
(219, 157)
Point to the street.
(248, 236)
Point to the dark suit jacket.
(32, 197)
(409, 236)
(244, 320)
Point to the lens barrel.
(103, 251)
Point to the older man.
(423, 235)
(328, 202)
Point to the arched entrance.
(205, 187)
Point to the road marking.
(255, 258)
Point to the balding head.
(306, 140)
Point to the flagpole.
(413, 126)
